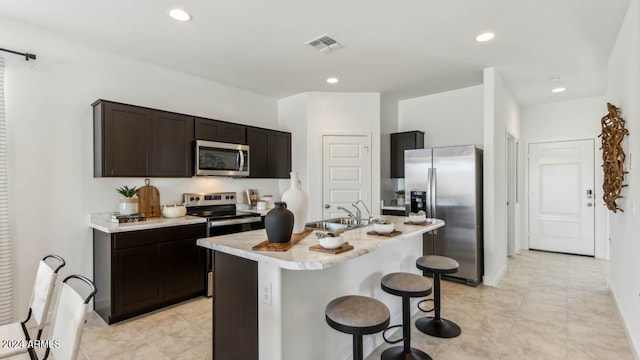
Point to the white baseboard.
(635, 348)
(496, 280)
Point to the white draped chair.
(64, 337)
(16, 335)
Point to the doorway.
(561, 203)
(346, 173)
(512, 188)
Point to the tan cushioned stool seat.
(355, 314)
(435, 263)
(406, 284)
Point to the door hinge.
(366, 149)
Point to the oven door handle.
(247, 220)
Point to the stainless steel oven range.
(222, 218)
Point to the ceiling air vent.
(324, 43)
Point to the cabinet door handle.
(326, 206)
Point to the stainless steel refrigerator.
(446, 183)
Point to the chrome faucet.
(369, 217)
(356, 218)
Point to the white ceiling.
(403, 48)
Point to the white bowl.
(174, 211)
(331, 242)
(417, 218)
(383, 228)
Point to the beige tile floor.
(547, 306)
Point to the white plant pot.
(297, 202)
(128, 206)
(400, 200)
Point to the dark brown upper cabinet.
(121, 139)
(214, 130)
(269, 153)
(399, 143)
(172, 154)
(133, 141)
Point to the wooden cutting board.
(295, 238)
(149, 200)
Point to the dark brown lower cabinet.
(139, 271)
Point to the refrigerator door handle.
(428, 206)
(434, 186)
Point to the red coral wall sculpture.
(613, 156)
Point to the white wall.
(501, 114)
(50, 141)
(292, 117)
(341, 113)
(388, 125)
(561, 121)
(449, 118)
(623, 90)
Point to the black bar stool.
(437, 326)
(408, 286)
(357, 315)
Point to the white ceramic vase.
(297, 202)
(128, 206)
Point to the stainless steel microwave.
(221, 159)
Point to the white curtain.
(6, 278)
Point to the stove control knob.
(227, 197)
(198, 198)
(232, 196)
(191, 198)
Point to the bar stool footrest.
(384, 335)
(424, 301)
(397, 353)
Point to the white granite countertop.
(299, 257)
(102, 222)
(256, 211)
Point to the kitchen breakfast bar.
(270, 305)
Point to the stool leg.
(405, 352)
(406, 324)
(357, 347)
(436, 296)
(436, 326)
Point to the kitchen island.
(270, 305)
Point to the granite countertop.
(256, 211)
(299, 257)
(102, 222)
(394, 207)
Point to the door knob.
(326, 206)
(589, 204)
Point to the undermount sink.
(345, 223)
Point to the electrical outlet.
(266, 293)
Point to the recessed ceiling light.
(332, 80)
(558, 89)
(179, 14)
(485, 36)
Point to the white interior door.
(346, 173)
(561, 197)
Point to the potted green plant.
(128, 201)
(400, 197)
